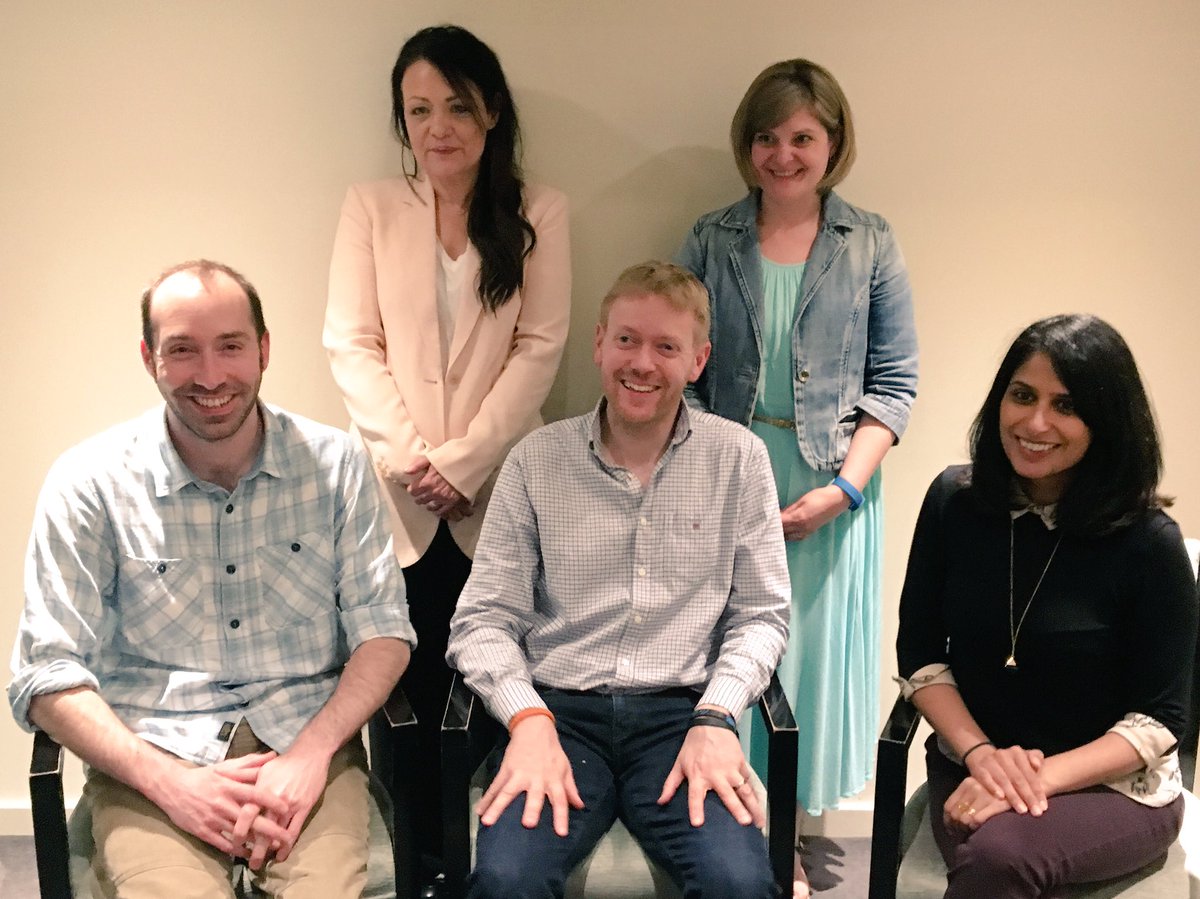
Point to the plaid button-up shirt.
(188, 607)
(583, 579)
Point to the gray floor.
(18, 873)
(837, 869)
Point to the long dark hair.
(496, 222)
(1117, 478)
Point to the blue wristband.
(856, 497)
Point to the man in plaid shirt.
(213, 610)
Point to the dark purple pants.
(1087, 835)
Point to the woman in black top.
(1047, 626)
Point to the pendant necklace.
(1014, 630)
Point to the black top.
(1112, 629)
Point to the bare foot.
(800, 887)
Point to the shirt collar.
(835, 212)
(1021, 504)
(679, 432)
(171, 475)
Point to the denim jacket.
(854, 344)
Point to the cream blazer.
(381, 333)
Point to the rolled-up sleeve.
(890, 372)
(69, 571)
(370, 585)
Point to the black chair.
(392, 742)
(469, 733)
(902, 830)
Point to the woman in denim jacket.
(813, 347)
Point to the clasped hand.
(252, 806)
(1000, 779)
(432, 491)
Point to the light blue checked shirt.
(583, 579)
(189, 607)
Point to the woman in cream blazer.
(449, 296)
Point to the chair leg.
(781, 798)
(49, 818)
(891, 770)
(390, 756)
(456, 811)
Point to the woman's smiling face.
(1041, 435)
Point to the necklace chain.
(1014, 631)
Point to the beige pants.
(140, 854)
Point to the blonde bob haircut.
(773, 96)
(675, 284)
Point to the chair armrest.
(397, 711)
(392, 733)
(49, 817)
(891, 771)
(782, 746)
(466, 717)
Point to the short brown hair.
(675, 284)
(204, 269)
(777, 92)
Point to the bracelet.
(713, 718)
(532, 712)
(856, 497)
(973, 748)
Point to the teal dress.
(830, 671)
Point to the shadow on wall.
(656, 202)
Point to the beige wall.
(1033, 156)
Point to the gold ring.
(971, 812)
(742, 784)
(962, 806)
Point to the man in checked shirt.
(212, 611)
(627, 601)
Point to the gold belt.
(786, 423)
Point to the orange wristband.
(530, 712)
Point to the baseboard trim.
(16, 818)
(852, 818)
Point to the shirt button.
(642, 521)
(295, 547)
(162, 567)
(803, 375)
(235, 624)
(637, 619)
(641, 572)
(625, 662)
(230, 569)
(229, 508)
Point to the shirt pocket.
(297, 581)
(693, 549)
(166, 607)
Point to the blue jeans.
(621, 748)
